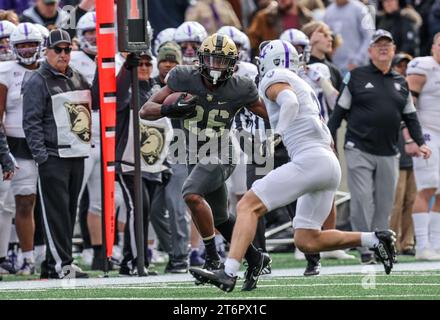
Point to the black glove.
(268, 147)
(7, 162)
(180, 108)
(132, 61)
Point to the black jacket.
(404, 31)
(38, 121)
(374, 105)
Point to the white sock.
(5, 229)
(369, 240)
(40, 250)
(28, 255)
(421, 224)
(219, 243)
(121, 239)
(231, 267)
(434, 230)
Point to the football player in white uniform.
(26, 44)
(6, 29)
(424, 83)
(312, 175)
(189, 36)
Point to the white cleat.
(87, 257)
(27, 269)
(337, 254)
(427, 254)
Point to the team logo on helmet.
(79, 119)
(152, 143)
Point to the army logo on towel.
(79, 119)
(152, 143)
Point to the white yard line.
(186, 278)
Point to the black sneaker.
(210, 265)
(176, 267)
(216, 277)
(386, 250)
(368, 258)
(313, 267)
(253, 272)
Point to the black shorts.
(208, 180)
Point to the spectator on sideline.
(212, 14)
(270, 22)
(355, 30)
(374, 100)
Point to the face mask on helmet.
(27, 53)
(189, 52)
(217, 56)
(6, 52)
(88, 41)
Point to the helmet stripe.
(231, 33)
(189, 30)
(1, 27)
(291, 35)
(26, 31)
(286, 51)
(219, 43)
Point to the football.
(172, 98)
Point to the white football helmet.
(26, 33)
(277, 54)
(240, 39)
(162, 37)
(298, 39)
(191, 31)
(189, 35)
(6, 29)
(87, 23)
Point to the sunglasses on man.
(58, 50)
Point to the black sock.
(2, 259)
(211, 249)
(97, 251)
(252, 255)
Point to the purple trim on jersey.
(1, 27)
(26, 31)
(94, 17)
(286, 51)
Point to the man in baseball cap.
(381, 34)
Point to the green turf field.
(415, 284)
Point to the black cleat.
(386, 250)
(253, 272)
(210, 265)
(313, 265)
(216, 277)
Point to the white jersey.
(11, 76)
(247, 69)
(83, 64)
(307, 129)
(323, 71)
(428, 110)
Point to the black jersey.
(215, 110)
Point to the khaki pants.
(401, 219)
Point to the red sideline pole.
(106, 43)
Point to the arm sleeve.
(96, 102)
(289, 108)
(34, 104)
(409, 116)
(3, 143)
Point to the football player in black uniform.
(217, 95)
